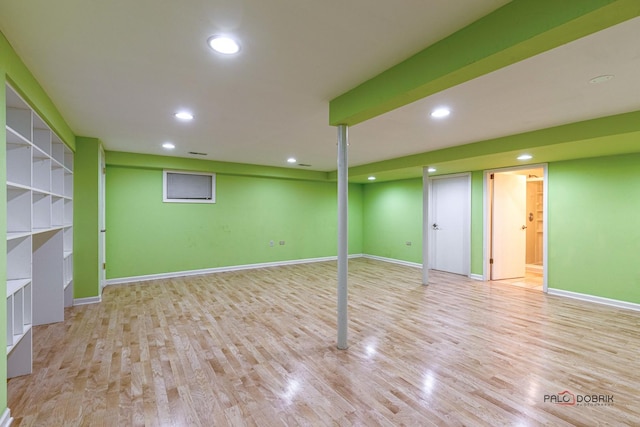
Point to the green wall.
(594, 227)
(496, 40)
(477, 224)
(146, 236)
(19, 76)
(86, 279)
(393, 217)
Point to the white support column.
(425, 226)
(343, 252)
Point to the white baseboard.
(596, 299)
(85, 301)
(393, 261)
(6, 420)
(479, 277)
(145, 278)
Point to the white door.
(449, 224)
(101, 223)
(508, 225)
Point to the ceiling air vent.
(195, 153)
(304, 165)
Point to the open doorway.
(515, 225)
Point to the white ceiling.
(117, 70)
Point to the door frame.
(102, 254)
(486, 209)
(430, 232)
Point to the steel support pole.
(343, 205)
(425, 226)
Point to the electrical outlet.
(408, 243)
(281, 242)
(271, 243)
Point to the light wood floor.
(532, 280)
(258, 348)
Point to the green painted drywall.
(3, 238)
(604, 136)
(393, 217)
(25, 83)
(518, 30)
(477, 224)
(594, 227)
(117, 158)
(146, 236)
(85, 218)
(355, 214)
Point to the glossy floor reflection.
(257, 348)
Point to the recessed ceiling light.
(168, 146)
(184, 115)
(441, 112)
(372, 178)
(291, 160)
(431, 170)
(223, 44)
(601, 79)
(525, 157)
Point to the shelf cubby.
(19, 164)
(57, 211)
(19, 258)
(68, 184)
(18, 210)
(68, 279)
(68, 159)
(57, 149)
(57, 179)
(41, 210)
(68, 212)
(42, 140)
(20, 356)
(19, 119)
(68, 240)
(41, 172)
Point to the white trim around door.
(486, 209)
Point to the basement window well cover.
(189, 187)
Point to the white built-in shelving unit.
(39, 229)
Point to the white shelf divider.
(48, 297)
(14, 285)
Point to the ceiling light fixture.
(184, 115)
(431, 170)
(372, 178)
(440, 112)
(601, 79)
(223, 44)
(525, 157)
(291, 160)
(168, 146)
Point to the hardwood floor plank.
(257, 348)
